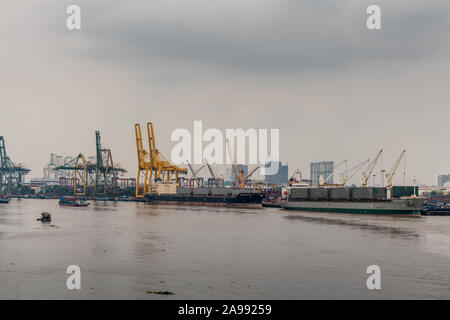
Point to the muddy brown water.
(125, 249)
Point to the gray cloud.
(310, 68)
(264, 36)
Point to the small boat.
(4, 200)
(72, 202)
(45, 217)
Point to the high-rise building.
(55, 161)
(322, 168)
(280, 177)
(442, 179)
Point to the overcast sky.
(309, 68)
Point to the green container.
(404, 191)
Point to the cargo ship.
(168, 193)
(397, 200)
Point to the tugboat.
(72, 202)
(4, 199)
(45, 217)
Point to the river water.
(125, 249)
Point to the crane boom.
(366, 175)
(390, 175)
(190, 168)
(211, 171)
(251, 173)
(355, 169)
(194, 172)
(198, 170)
(332, 175)
(238, 177)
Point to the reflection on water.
(363, 226)
(127, 248)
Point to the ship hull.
(73, 205)
(246, 201)
(403, 207)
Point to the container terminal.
(160, 182)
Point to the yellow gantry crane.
(80, 164)
(152, 165)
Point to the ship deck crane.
(211, 170)
(352, 171)
(366, 174)
(194, 173)
(240, 175)
(391, 174)
(247, 177)
(324, 182)
(216, 180)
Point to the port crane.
(215, 179)
(152, 165)
(344, 177)
(240, 175)
(390, 175)
(99, 176)
(80, 163)
(105, 171)
(324, 182)
(194, 173)
(247, 177)
(211, 170)
(10, 173)
(367, 173)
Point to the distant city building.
(443, 179)
(50, 174)
(322, 168)
(230, 176)
(279, 178)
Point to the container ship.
(396, 200)
(169, 193)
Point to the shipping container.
(379, 193)
(362, 193)
(340, 193)
(404, 191)
(202, 191)
(318, 193)
(299, 193)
